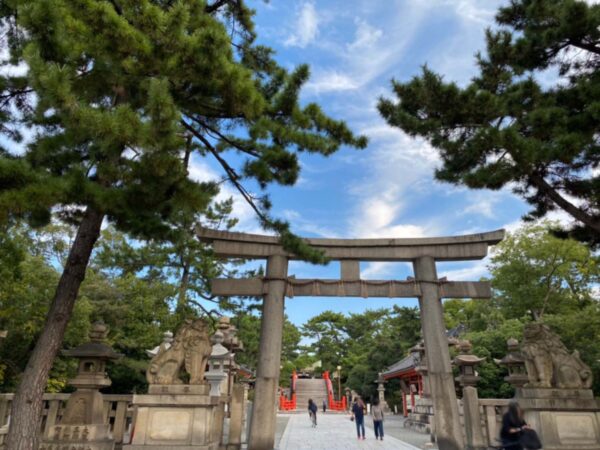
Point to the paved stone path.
(334, 432)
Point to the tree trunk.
(183, 287)
(27, 404)
(575, 212)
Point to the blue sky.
(354, 49)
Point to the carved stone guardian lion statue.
(190, 350)
(549, 364)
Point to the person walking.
(358, 413)
(377, 413)
(312, 412)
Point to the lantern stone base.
(420, 419)
(565, 419)
(176, 417)
(78, 437)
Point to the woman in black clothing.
(312, 412)
(512, 427)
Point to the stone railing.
(117, 412)
(492, 410)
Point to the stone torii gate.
(422, 252)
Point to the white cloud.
(482, 11)
(398, 167)
(303, 225)
(365, 36)
(484, 203)
(474, 272)
(306, 26)
(330, 81)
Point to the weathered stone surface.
(177, 389)
(448, 430)
(472, 420)
(262, 425)
(349, 288)
(567, 430)
(190, 350)
(549, 363)
(236, 417)
(182, 422)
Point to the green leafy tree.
(248, 326)
(386, 337)
(533, 271)
(506, 127)
(329, 336)
(26, 289)
(122, 94)
(491, 344)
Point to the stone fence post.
(467, 363)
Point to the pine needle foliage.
(511, 126)
(113, 91)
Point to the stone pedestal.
(78, 437)
(176, 417)
(565, 419)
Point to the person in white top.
(377, 413)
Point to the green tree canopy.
(507, 127)
(535, 272)
(119, 96)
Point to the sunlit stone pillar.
(441, 382)
(263, 421)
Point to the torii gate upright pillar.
(263, 421)
(441, 381)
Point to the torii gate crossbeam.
(422, 252)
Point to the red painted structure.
(411, 381)
(334, 405)
(286, 404)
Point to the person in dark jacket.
(358, 411)
(312, 412)
(512, 427)
(324, 405)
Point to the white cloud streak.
(306, 27)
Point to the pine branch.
(225, 138)
(232, 174)
(539, 182)
(215, 6)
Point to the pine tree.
(507, 127)
(118, 95)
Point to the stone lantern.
(467, 364)
(515, 363)
(418, 354)
(217, 365)
(381, 391)
(82, 424)
(348, 394)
